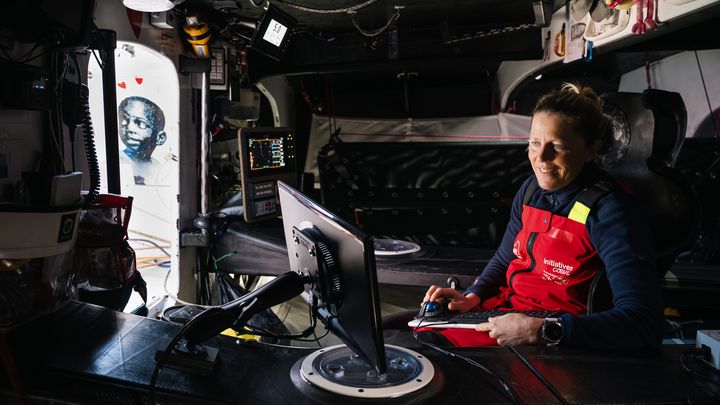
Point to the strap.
(588, 198)
(584, 203)
(332, 159)
(532, 187)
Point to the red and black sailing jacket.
(555, 263)
(555, 260)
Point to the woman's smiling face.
(557, 154)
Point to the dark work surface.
(87, 354)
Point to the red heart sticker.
(122, 85)
(139, 80)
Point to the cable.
(297, 337)
(160, 248)
(677, 327)
(489, 33)
(255, 330)
(158, 264)
(221, 258)
(537, 374)
(508, 391)
(328, 11)
(379, 31)
(702, 353)
(505, 386)
(204, 295)
(71, 92)
(317, 339)
(98, 60)
(286, 313)
(54, 138)
(165, 353)
(56, 161)
(167, 275)
(150, 259)
(89, 138)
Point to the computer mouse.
(433, 309)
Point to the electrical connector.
(710, 339)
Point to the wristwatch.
(552, 331)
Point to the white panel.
(680, 73)
(710, 65)
(280, 95)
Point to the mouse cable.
(700, 354)
(162, 359)
(505, 386)
(537, 374)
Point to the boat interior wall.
(699, 89)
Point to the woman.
(553, 247)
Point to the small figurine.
(648, 23)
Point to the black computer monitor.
(266, 156)
(341, 261)
(273, 35)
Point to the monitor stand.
(338, 370)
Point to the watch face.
(553, 330)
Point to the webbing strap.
(530, 190)
(583, 204)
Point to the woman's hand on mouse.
(456, 300)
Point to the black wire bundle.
(55, 162)
(227, 289)
(708, 384)
(90, 153)
(204, 294)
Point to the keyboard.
(468, 320)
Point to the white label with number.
(275, 33)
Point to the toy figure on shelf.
(648, 23)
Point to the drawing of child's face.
(141, 127)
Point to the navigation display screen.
(266, 152)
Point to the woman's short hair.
(581, 106)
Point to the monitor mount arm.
(190, 355)
(237, 312)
